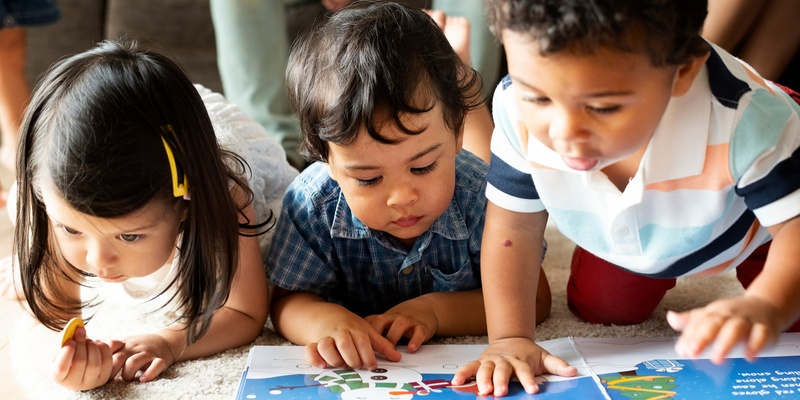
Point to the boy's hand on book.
(515, 356)
(350, 341)
(417, 324)
(724, 323)
(83, 363)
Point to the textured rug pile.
(218, 377)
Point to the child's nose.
(568, 126)
(402, 194)
(99, 256)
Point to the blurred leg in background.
(252, 50)
(14, 90)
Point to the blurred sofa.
(181, 27)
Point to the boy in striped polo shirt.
(659, 154)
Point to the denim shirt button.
(408, 270)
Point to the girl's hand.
(150, 354)
(504, 358)
(84, 364)
(725, 323)
(409, 319)
(349, 341)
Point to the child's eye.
(536, 100)
(69, 231)
(129, 238)
(604, 110)
(425, 170)
(368, 182)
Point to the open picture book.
(610, 368)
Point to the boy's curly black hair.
(667, 31)
(370, 63)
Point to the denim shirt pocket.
(462, 279)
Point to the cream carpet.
(217, 377)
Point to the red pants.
(602, 293)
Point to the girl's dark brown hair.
(93, 130)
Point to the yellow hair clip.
(178, 189)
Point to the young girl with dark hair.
(127, 173)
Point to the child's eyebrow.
(415, 157)
(607, 93)
(424, 152)
(145, 226)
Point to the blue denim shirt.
(320, 247)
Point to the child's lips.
(579, 164)
(406, 222)
(112, 278)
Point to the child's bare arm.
(437, 313)
(510, 265)
(245, 312)
(332, 334)
(239, 321)
(478, 127)
(769, 305)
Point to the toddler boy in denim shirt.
(380, 239)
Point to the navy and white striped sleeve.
(509, 182)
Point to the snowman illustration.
(390, 383)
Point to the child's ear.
(460, 140)
(185, 211)
(685, 74)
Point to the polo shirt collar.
(681, 135)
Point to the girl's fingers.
(156, 368)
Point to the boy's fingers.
(358, 351)
(528, 380)
(483, 377)
(677, 320)
(313, 356)
(758, 339)
(557, 366)
(500, 375)
(734, 331)
(329, 351)
(396, 331)
(467, 371)
(384, 347)
(417, 338)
